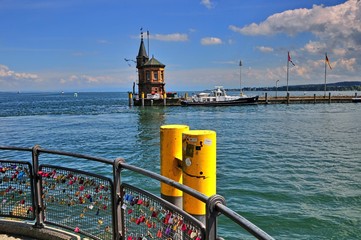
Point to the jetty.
(265, 99)
(305, 99)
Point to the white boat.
(219, 97)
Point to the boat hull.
(240, 101)
(356, 99)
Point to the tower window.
(155, 76)
(147, 75)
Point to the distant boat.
(75, 94)
(219, 97)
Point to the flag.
(327, 61)
(289, 59)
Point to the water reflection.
(147, 141)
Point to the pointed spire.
(142, 54)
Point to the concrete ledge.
(28, 230)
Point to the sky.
(81, 45)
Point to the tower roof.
(154, 63)
(142, 52)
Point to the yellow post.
(130, 96)
(170, 152)
(142, 99)
(199, 168)
(165, 99)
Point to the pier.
(304, 99)
(265, 99)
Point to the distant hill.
(339, 86)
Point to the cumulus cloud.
(207, 3)
(174, 37)
(338, 26)
(7, 75)
(265, 49)
(211, 41)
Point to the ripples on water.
(292, 170)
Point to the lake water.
(293, 170)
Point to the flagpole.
(288, 66)
(325, 73)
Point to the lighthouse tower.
(150, 73)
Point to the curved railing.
(88, 204)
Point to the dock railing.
(91, 205)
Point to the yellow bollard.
(199, 168)
(165, 99)
(170, 151)
(130, 97)
(142, 99)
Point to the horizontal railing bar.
(166, 180)
(243, 222)
(77, 155)
(15, 148)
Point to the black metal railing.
(99, 207)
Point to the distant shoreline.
(339, 86)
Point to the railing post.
(39, 209)
(212, 214)
(117, 197)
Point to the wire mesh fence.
(78, 201)
(16, 195)
(146, 217)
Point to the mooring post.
(329, 97)
(288, 98)
(355, 94)
(130, 98)
(266, 98)
(165, 99)
(170, 154)
(199, 169)
(314, 98)
(142, 98)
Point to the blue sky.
(80, 45)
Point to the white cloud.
(207, 3)
(315, 47)
(211, 41)
(7, 75)
(174, 37)
(348, 64)
(265, 49)
(338, 26)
